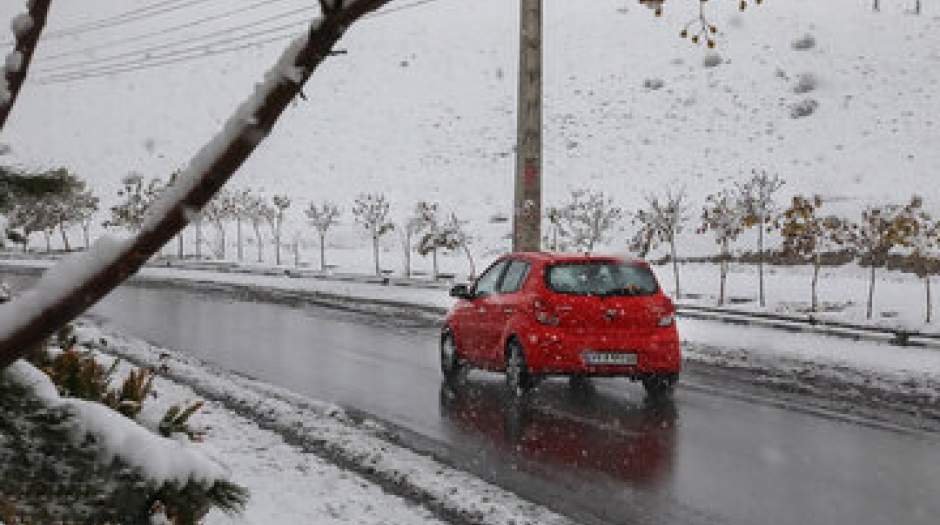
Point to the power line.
(228, 32)
(186, 51)
(161, 32)
(167, 6)
(199, 52)
(140, 13)
(112, 18)
(69, 77)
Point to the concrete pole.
(527, 210)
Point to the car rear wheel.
(518, 378)
(451, 365)
(661, 385)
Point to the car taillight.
(544, 314)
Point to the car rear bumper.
(554, 351)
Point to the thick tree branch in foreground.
(27, 28)
(77, 283)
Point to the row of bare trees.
(808, 233)
(424, 230)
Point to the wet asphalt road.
(600, 453)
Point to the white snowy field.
(423, 105)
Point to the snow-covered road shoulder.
(303, 459)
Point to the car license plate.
(610, 358)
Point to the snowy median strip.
(363, 447)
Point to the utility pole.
(527, 210)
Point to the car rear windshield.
(601, 278)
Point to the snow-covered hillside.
(423, 105)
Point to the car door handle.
(509, 310)
(481, 310)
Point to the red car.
(536, 314)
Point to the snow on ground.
(900, 298)
(249, 422)
(423, 106)
(159, 459)
(287, 485)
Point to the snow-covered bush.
(805, 83)
(803, 108)
(803, 43)
(653, 84)
(711, 60)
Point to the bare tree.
(757, 199)
(554, 216)
(588, 217)
(78, 208)
(39, 313)
(323, 218)
(219, 211)
(457, 237)
(243, 202)
(137, 197)
(809, 234)
(451, 236)
(27, 28)
(410, 227)
(371, 211)
(724, 218)
(32, 214)
(661, 221)
(258, 212)
(924, 242)
(881, 230)
(86, 207)
(279, 206)
(429, 224)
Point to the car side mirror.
(461, 291)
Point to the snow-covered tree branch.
(27, 28)
(78, 282)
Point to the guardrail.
(809, 323)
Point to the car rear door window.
(601, 278)
(515, 276)
(488, 282)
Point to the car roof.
(553, 257)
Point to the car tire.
(518, 377)
(451, 365)
(660, 386)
